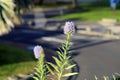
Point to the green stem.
(67, 41)
(42, 67)
(68, 36)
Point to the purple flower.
(69, 28)
(38, 50)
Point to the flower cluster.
(69, 28)
(63, 61)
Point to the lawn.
(91, 12)
(14, 61)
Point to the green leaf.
(96, 77)
(69, 74)
(68, 57)
(8, 21)
(3, 28)
(57, 61)
(60, 50)
(35, 78)
(61, 58)
(117, 74)
(105, 77)
(37, 74)
(54, 66)
(37, 70)
(51, 79)
(71, 66)
(114, 78)
(63, 47)
(50, 70)
(7, 8)
(59, 53)
(65, 62)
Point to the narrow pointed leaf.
(61, 59)
(57, 61)
(37, 70)
(50, 70)
(51, 79)
(96, 77)
(37, 74)
(117, 74)
(114, 78)
(54, 66)
(71, 66)
(68, 57)
(60, 50)
(59, 53)
(7, 20)
(7, 9)
(69, 74)
(104, 77)
(63, 48)
(35, 78)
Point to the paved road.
(35, 36)
(99, 58)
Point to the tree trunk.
(74, 3)
(41, 2)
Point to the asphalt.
(98, 59)
(93, 55)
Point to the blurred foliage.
(7, 15)
(14, 61)
(115, 76)
(92, 11)
(23, 5)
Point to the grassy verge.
(14, 61)
(92, 12)
(94, 15)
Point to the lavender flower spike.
(69, 28)
(38, 50)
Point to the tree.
(23, 5)
(74, 3)
(41, 2)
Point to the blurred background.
(26, 23)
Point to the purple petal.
(37, 51)
(69, 28)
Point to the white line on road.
(53, 39)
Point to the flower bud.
(69, 28)
(38, 50)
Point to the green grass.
(90, 16)
(91, 12)
(14, 61)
